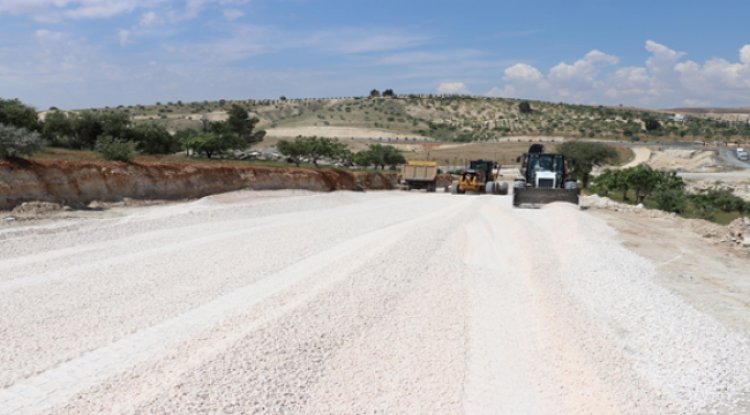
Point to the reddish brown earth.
(81, 182)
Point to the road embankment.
(81, 182)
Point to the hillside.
(447, 118)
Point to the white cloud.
(124, 36)
(522, 72)
(56, 10)
(149, 19)
(665, 79)
(745, 55)
(452, 88)
(355, 41)
(584, 73)
(241, 43)
(233, 14)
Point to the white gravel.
(384, 302)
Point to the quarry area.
(294, 301)
(241, 288)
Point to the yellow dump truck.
(419, 175)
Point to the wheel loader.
(479, 178)
(544, 179)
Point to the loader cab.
(482, 168)
(546, 170)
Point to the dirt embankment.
(79, 183)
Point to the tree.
(240, 123)
(524, 107)
(667, 188)
(115, 149)
(651, 124)
(152, 138)
(584, 156)
(644, 180)
(313, 149)
(362, 159)
(18, 142)
(379, 155)
(212, 143)
(670, 199)
(295, 151)
(15, 113)
(389, 93)
(374, 93)
(57, 128)
(87, 128)
(114, 123)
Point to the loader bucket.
(537, 197)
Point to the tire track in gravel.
(402, 303)
(126, 296)
(367, 342)
(45, 389)
(654, 352)
(521, 360)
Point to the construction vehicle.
(544, 179)
(419, 175)
(479, 178)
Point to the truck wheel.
(503, 188)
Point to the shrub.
(17, 114)
(584, 156)
(153, 139)
(17, 142)
(671, 199)
(115, 149)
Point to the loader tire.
(454, 188)
(490, 188)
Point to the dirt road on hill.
(351, 303)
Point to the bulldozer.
(479, 178)
(544, 178)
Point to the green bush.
(18, 142)
(666, 191)
(115, 149)
(671, 200)
(707, 204)
(17, 114)
(154, 139)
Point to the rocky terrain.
(77, 183)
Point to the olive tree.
(313, 149)
(379, 155)
(18, 142)
(584, 156)
(17, 114)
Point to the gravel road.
(351, 303)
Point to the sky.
(95, 53)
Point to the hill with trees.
(449, 118)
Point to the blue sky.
(89, 53)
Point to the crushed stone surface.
(352, 303)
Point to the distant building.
(678, 118)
